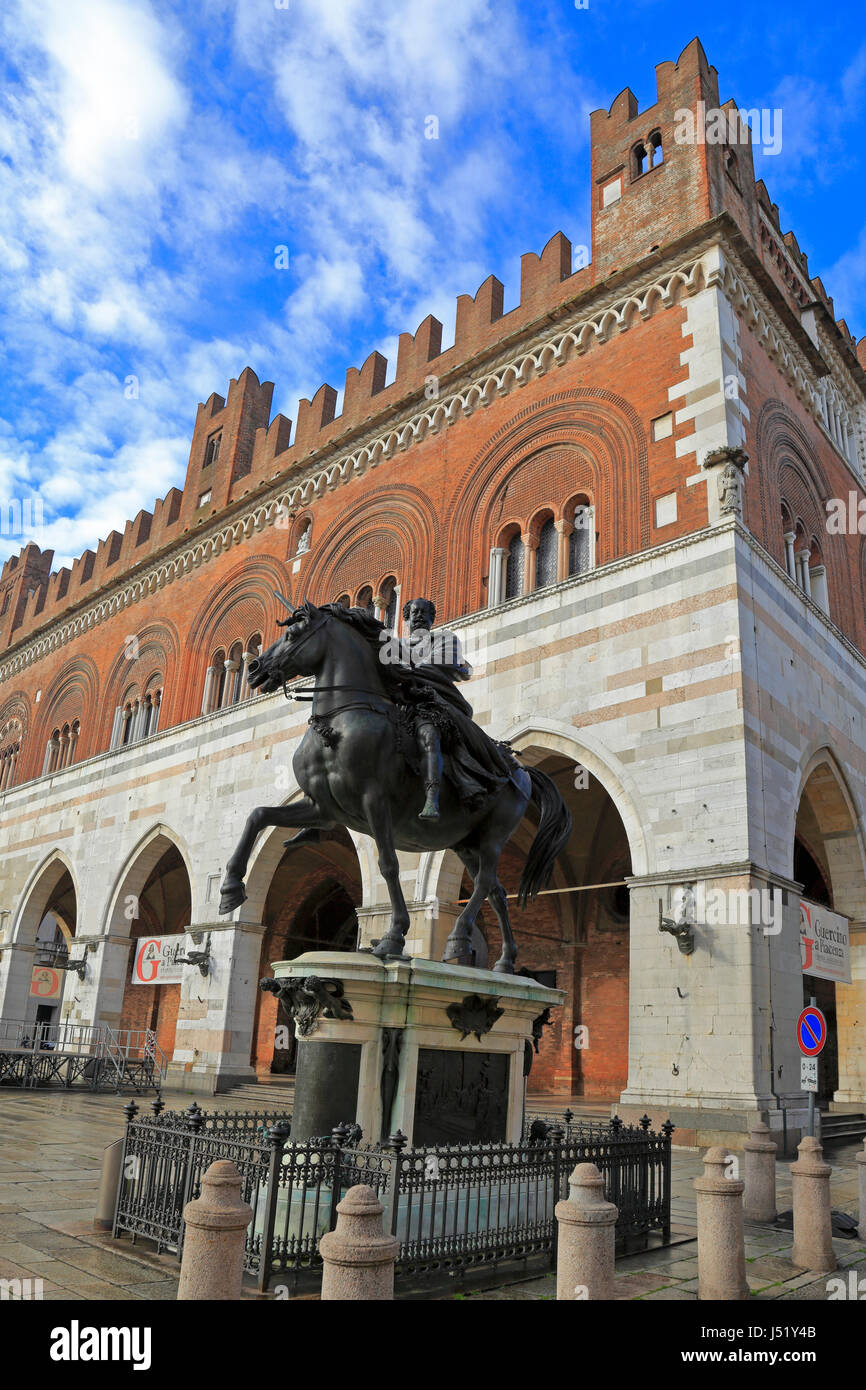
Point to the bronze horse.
(352, 767)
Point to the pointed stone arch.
(826, 817)
(44, 884)
(132, 877)
(38, 890)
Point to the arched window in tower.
(304, 538)
(546, 555)
(581, 542)
(732, 167)
(654, 149)
(212, 449)
(639, 161)
(514, 567)
(365, 601)
(344, 601)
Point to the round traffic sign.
(811, 1031)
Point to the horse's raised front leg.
(378, 817)
(304, 813)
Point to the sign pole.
(812, 1001)
(811, 1037)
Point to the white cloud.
(116, 93)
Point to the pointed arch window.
(388, 598)
(8, 764)
(546, 556)
(514, 564)
(581, 542)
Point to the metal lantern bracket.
(199, 958)
(682, 932)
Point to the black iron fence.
(459, 1212)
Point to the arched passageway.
(828, 861)
(310, 906)
(162, 907)
(36, 987)
(576, 937)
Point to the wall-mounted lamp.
(199, 958)
(682, 930)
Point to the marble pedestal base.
(401, 1063)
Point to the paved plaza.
(51, 1148)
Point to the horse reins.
(310, 692)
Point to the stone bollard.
(721, 1242)
(358, 1256)
(810, 1183)
(585, 1245)
(861, 1169)
(759, 1198)
(103, 1217)
(213, 1249)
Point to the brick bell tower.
(655, 173)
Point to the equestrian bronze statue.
(393, 752)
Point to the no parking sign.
(811, 1031)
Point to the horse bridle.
(310, 693)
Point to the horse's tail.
(551, 837)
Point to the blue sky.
(154, 155)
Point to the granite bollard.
(759, 1197)
(861, 1184)
(586, 1240)
(213, 1249)
(721, 1241)
(103, 1218)
(358, 1256)
(810, 1184)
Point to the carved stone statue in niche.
(731, 463)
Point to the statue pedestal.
(400, 1062)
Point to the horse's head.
(296, 653)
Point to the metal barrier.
(66, 1054)
(458, 1211)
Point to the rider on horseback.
(438, 714)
